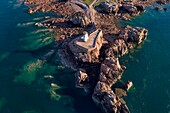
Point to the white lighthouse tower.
(85, 36)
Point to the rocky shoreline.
(92, 43)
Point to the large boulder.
(119, 48)
(105, 98)
(109, 7)
(80, 19)
(133, 36)
(130, 9)
(110, 71)
(82, 79)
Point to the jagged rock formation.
(124, 9)
(107, 100)
(40, 5)
(119, 48)
(80, 19)
(109, 7)
(110, 71)
(133, 36)
(82, 79)
(110, 68)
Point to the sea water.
(23, 88)
(148, 66)
(29, 84)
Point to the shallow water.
(23, 88)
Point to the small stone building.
(86, 48)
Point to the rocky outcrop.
(109, 7)
(105, 98)
(119, 48)
(82, 79)
(132, 9)
(124, 10)
(110, 71)
(109, 100)
(40, 5)
(80, 19)
(133, 36)
(128, 85)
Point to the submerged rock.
(165, 9)
(158, 8)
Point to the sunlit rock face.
(110, 71)
(133, 36)
(119, 48)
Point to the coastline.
(118, 34)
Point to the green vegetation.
(88, 1)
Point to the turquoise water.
(23, 88)
(149, 66)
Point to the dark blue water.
(23, 88)
(149, 66)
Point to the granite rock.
(110, 71)
(119, 48)
(133, 36)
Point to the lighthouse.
(85, 36)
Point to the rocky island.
(91, 43)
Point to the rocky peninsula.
(91, 43)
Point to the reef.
(91, 43)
